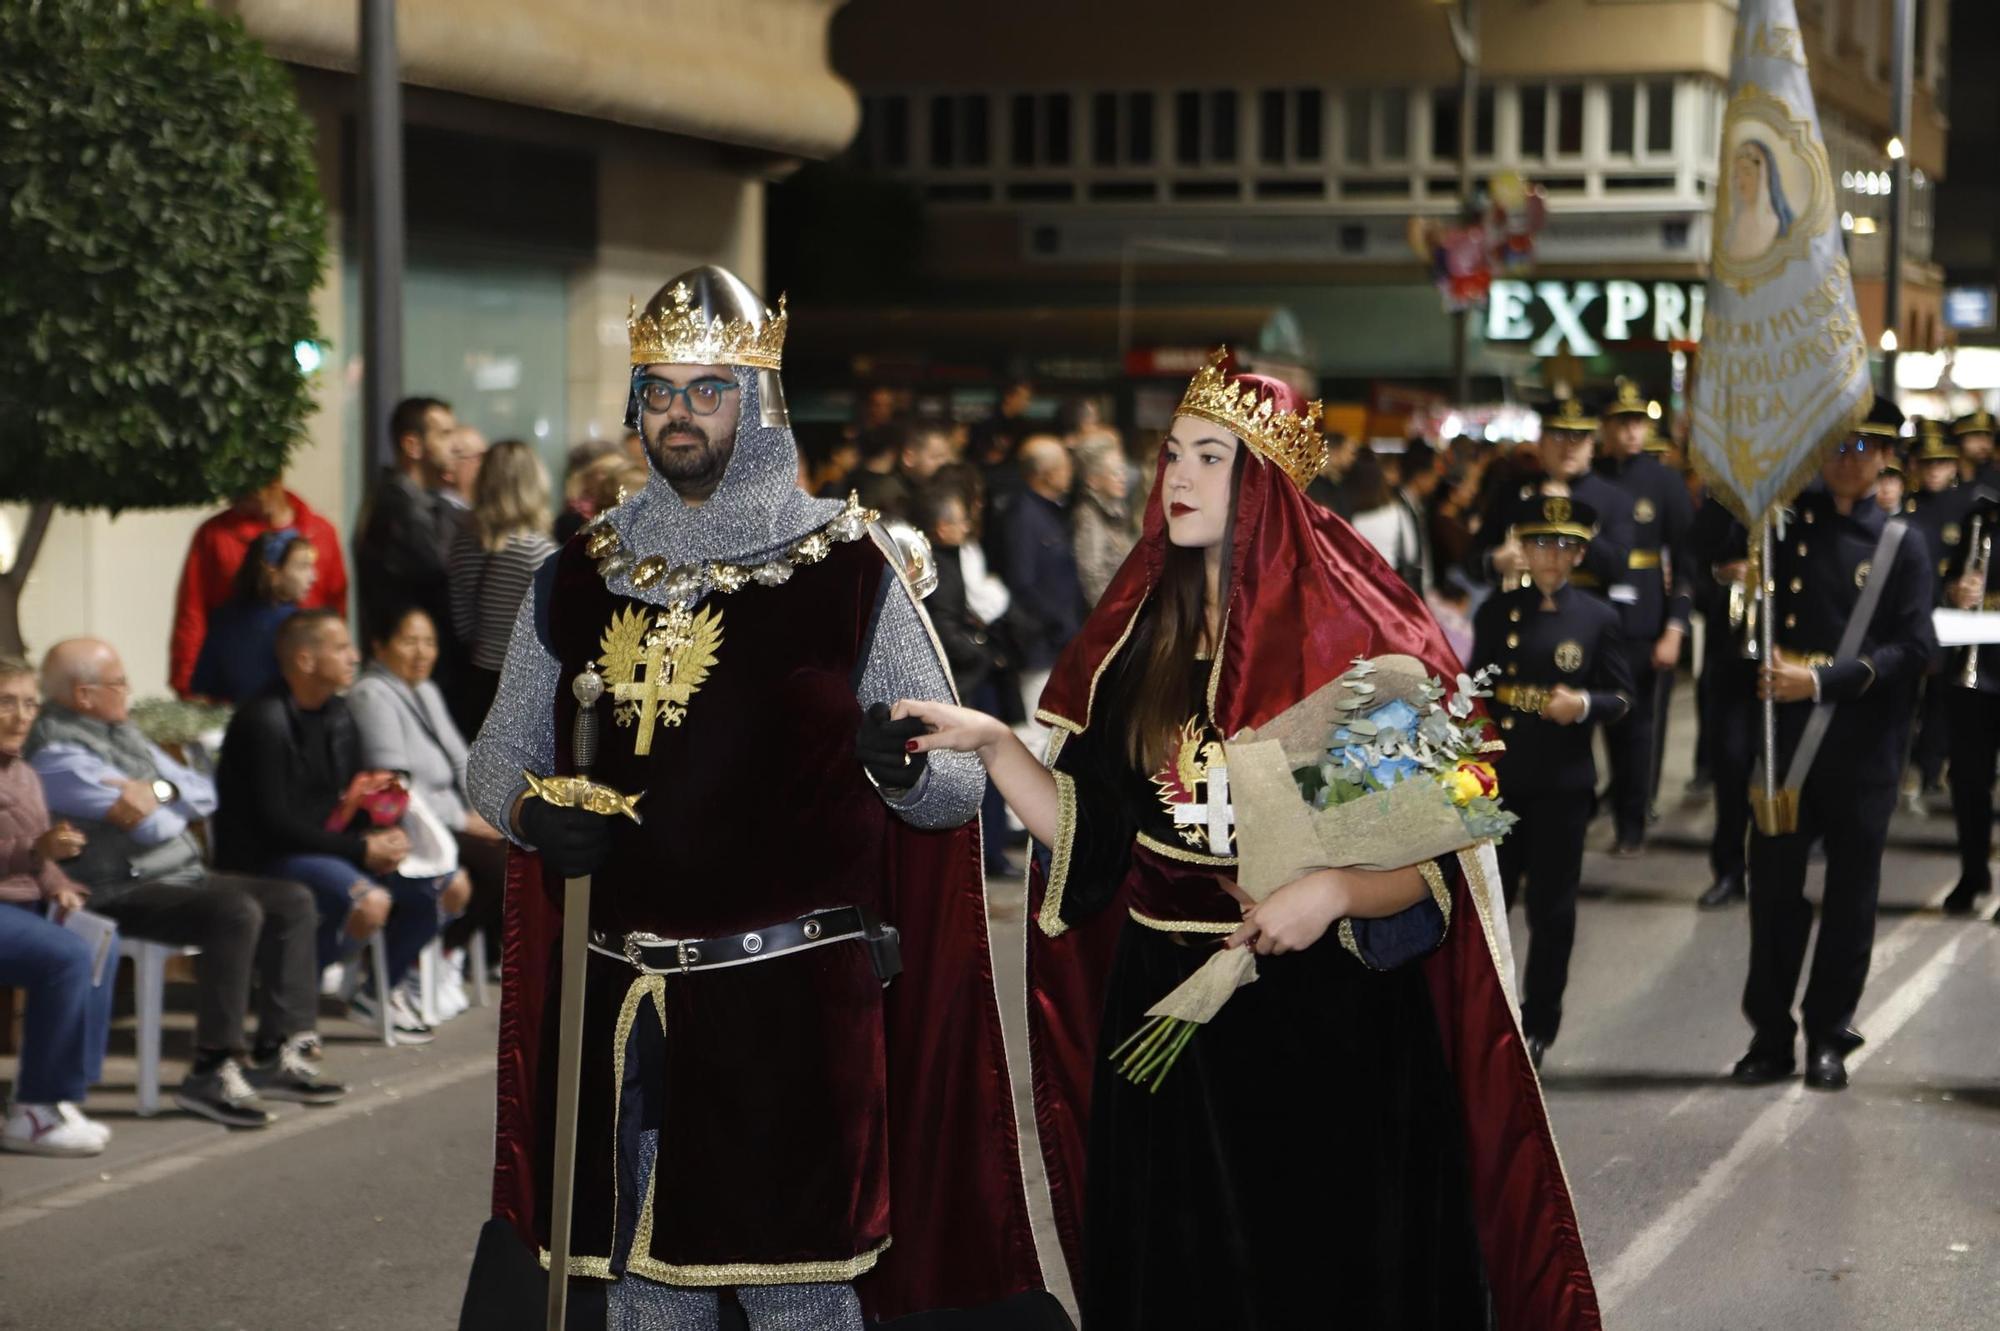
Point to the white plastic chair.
(430, 965)
(149, 989)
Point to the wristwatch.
(165, 791)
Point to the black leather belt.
(678, 956)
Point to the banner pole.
(1766, 630)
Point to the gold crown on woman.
(708, 316)
(1290, 441)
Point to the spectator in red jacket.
(217, 552)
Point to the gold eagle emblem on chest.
(1643, 511)
(1569, 657)
(1184, 785)
(656, 663)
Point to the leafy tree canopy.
(161, 233)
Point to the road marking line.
(308, 1119)
(1653, 1245)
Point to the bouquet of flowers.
(1380, 769)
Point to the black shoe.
(292, 1075)
(1764, 1064)
(224, 1095)
(1724, 891)
(1538, 1049)
(1628, 848)
(1961, 898)
(1826, 1067)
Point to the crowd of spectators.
(335, 809)
(338, 807)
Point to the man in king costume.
(761, 1108)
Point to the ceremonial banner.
(1783, 372)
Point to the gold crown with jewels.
(1290, 441)
(683, 332)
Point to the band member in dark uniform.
(1836, 543)
(1974, 435)
(1721, 549)
(1656, 616)
(1969, 679)
(1564, 666)
(1936, 509)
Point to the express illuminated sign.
(1588, 315)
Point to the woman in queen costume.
(1357, 1139)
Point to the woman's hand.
(1295, 916)
(952, 729)
(66, 900)
(60, 842)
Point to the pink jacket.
(24, 816)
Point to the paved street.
(1706, 1207)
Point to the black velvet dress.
(1302, 1165)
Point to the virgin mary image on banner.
(1759, 215)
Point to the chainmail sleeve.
(520, 730)
(905, 661)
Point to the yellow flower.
(1463, 785)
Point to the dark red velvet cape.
(1307, 596)
(959, 1208)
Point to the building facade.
(1127, 156)
(551, 175)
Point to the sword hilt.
(587, 687)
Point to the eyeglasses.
(1857, 446)
(10, 706)
(122, 685)
(703, 396)
(1555, 543)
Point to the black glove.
(880, 746)
(574, 841)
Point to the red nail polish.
(909, 746)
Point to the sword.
(573, 792)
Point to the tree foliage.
(161, 233)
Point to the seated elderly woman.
(406, 727)
(62, 1043)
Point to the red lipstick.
(1177, 509)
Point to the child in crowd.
(239, 656)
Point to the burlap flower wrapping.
(1280, 837)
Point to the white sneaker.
(403, 1014)
(332, 981)
(451, 996)
(57, 1129)
(403, 1018)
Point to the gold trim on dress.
(1076, 727)
(1345, 932)
(758, 1273)
(1183, 926)
(1050, 919)
(1440, 889)
(1184, 855)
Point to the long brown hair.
(511, 495)
(1153, 687)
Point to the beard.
(688, 458)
